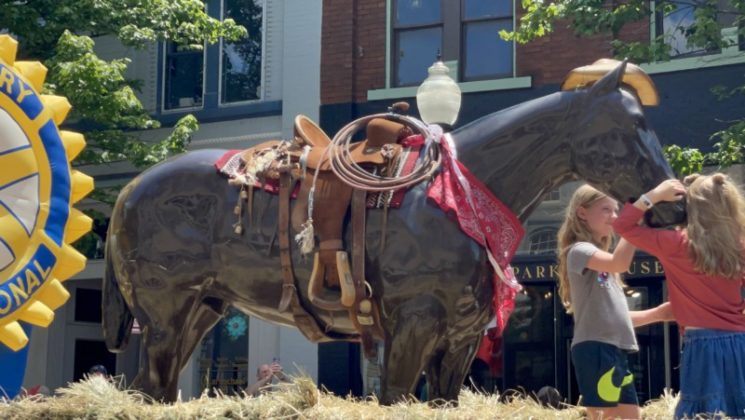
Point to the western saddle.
(334, 284)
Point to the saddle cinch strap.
(305, 322)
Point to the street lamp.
(438, 97)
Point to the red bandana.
(482, 217)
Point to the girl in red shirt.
(704, 265)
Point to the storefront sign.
(548, 270)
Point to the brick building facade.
(353, 52)
(356, 67)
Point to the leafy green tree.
(61, 34)
(717, 25)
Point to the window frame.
(397, 29)
(657, 27)
(208, 71)
(538, 231)
(461, 53)
(734, 54)
(452, 47)
(550, 196)
(220, 43)
(163, 46)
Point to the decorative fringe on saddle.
(306, 238)
(250, 174)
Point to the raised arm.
(616, 262)
(654, 241)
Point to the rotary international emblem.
(37, 190)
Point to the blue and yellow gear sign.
(37, 190)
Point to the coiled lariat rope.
(352, 174)
(357, 177)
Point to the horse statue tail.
(117, 318)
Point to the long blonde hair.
(574, 230)
(716, 225)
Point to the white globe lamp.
(438, 97)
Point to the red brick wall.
(371, 38)
(336, 52)
(353, 50)
(637, 31)
(548, 59)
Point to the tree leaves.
(105, 107)
(684, 160)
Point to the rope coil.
(352, 174)
(357, 177)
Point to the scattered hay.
(97, 398)
(662, 408)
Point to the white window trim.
(163, 98)
(548, 197)
(262, 91)
(728, 56)
(539, 230)
(466, 87)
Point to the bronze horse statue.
(174, 262)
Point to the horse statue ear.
(610, 82)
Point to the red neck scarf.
(481, 216)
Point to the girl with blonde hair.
(591, 290)
(704, 265)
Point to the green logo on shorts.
(607, 390)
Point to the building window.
(554, 195)
(241, 61)
(676, 23)
(485, 55)
(418, 38)
(466, 31)
(184, 77)
(529, 350)
(543, 241)
(223, 356)
(88, 353)
(191, 78)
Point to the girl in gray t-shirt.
(591, 290)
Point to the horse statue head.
(614, 149)
(598, 135)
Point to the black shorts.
(603, 375)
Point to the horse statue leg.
(449, 366)
(167, 347)
(173, 318)
(412, 334)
